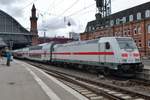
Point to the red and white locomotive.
(116, 54)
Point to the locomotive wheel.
(106, 72)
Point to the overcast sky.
(53, 15)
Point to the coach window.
(107, 45)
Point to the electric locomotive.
(107, 54)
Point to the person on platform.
(8, 56)
(3, 55)
(0, 55)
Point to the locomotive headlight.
(137, 60)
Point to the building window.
(139, 30)
(131, 18)
(149, 43)
(147, 13)
(135, 31)
(148, 28)
(139, 40)
(119, 34)
(140, 45)
(117, 21)
(115, 33)
(89, 28)
(86, 30)
(129, 32)
(124, 20)
(112, 22)
(93, 28)
(125, 33)
(138, 16)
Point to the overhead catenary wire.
(65, 18)
(74, 13)
(54, 4)
(43, 13)
(72, 5)
(29, 4)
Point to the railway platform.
(21, 81)
(146, 67)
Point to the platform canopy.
(12, 32)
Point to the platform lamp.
(44, 35)
(11, 44)
(69, 24)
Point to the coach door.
(101, 50)
(104, 52)
(108, 51)
(51, 51)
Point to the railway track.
(140, 82)
(95, 90)
(144, 75)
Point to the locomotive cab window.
(126, 43)
(107, 45)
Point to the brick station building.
(133, 22)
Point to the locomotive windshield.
(126, 43)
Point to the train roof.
(89, 41)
